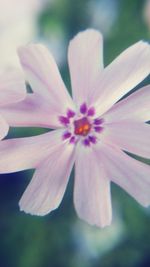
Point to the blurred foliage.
(61, 239)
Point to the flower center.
(82, 126)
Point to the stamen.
(86, 142)
(92, 139)
(70, 113)
(72, 140)
(82, 126)
(98, 121)
(98, 129)
(64, 120)
(66, 135)
(91, 111)
(83, 108)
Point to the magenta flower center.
(82, 126)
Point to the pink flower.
(92, 130)
(12, 90)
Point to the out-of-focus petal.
(12, 87)
(49, 182)
(44, 77)
(27, 153)
(130, 174)
(136, 106)
(3, 128)
(131, 136)
(33, 111)
(122, 75)
(85, 58)
(92, 189)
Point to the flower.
(12, 90)
(17, 26)
(93, 130)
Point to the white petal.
(136, 106)
(3, 128)
(85, 58)
(122, 75)
(12, 87)
(47, 187)
(92, 189)
(31, 112)
(27, 153)
(131, 136)
(128, 173)
(44, 77)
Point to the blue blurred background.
(61, 239)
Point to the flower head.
(12, 90)
(93, 130)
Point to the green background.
(60, 239)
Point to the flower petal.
(44, 77)
(47, 187)
(135, 106)
(128, 173)
(27, 153)
(131, 136)
(33, 111)
(122, 75)
(3, 128)
(85, 58)
(92, 189)
(12, 87)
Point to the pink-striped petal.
(92, 189)
(136, 106)
(44, 77)
(130, 174)
(32, 112)
(122, 75)
(85, 58)
(27, 153)
(131, 136)
(3, 128)
(48, 185)
(12, 87)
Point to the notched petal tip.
(26, 210)
(100, 223)
(88, 33)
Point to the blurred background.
(61, 239)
